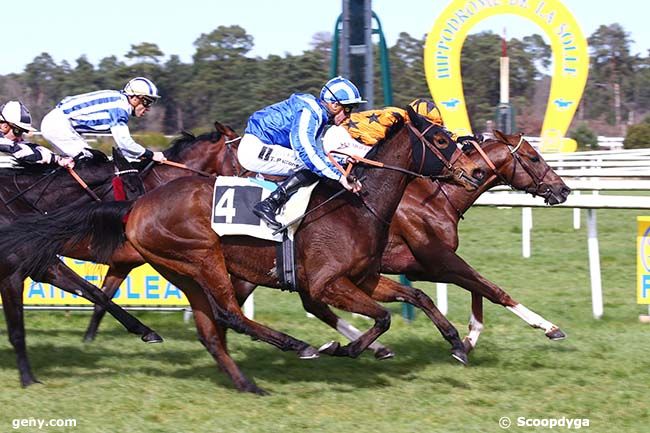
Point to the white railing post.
(594, 265)
(441, 298)
(526, 227)
(249, 307)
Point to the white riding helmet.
(341, 90)
(16, 114)
(141, 86)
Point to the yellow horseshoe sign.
(570, 62)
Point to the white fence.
(626, 170)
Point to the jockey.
(15, 121)
(101, 111)
(284, 139)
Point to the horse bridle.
(538, 182)
(457, 173)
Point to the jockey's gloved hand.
(155, 156)
(351, 183)
(64, 161)
(159, 157)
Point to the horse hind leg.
(11, 291)
(326, 315)
(388, 290)
(345, 295)
(213, 337)
(114, 277)
(62, 276)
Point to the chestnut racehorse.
(208, 152)
(338, 245)
(424, 238)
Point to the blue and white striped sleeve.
(303, 141)
(125, 142)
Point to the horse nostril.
(565, 191)
(478, 174)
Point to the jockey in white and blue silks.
(100, 112)
(285, 139)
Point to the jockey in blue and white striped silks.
(100, 112)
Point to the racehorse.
(208, 152)
(424, 237)
(338, 244)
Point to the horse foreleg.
(62, 276)
(459, 272)
(475, 325)
(345, 295)
(388, 290)
(213, 338)
(11, 290)
(112, 281)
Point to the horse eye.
(534, 158)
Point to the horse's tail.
(38, 239)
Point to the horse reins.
(83, 184)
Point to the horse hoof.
(384, 353)
(460, 356)
(152, 337)
(254, 389)
(89, 338)
(467, 343)
(308, 353)
(29, 381)
(556, 334)
(329, 348)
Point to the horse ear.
(500, 135)
(219, 127)
(412, 115)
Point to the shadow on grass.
(258, 361)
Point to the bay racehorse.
(208, 152)
(338, 245)
(424, 237)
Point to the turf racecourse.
(600, 373)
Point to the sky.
(68, 29)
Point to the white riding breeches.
(254, 155)
(56, 129)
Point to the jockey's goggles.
(17, 130)
(347, 109)
(146, 101)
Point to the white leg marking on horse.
(475, 328)
(533, 319)
(352, 333)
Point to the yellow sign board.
(643, 260)
(570, 59)
(143, 287)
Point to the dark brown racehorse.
(339, 245)
(209, 152)
(424, 238)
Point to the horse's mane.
(185, 141)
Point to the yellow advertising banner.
(143, 287)
(643, 260)
(570, 62)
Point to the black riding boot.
(268, 208)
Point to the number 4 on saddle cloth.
(233, 201)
